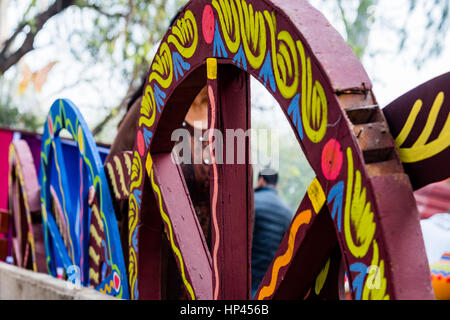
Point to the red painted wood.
(435, 166)
(399, 222)
(295, 265)
(149, 241)
(341, 66)
(327, 64)
(333, 288)
(188, 235)
(231, 183)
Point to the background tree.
(358, 17)
(116, 36)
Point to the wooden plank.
(304, 250)
(231, 193)
(399, 223)
(182, 228)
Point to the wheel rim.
(88, 246)
(327, 98)
(24, 202)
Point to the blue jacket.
(272, 218)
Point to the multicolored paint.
(283, 260)
(93, 242)
(440, 277)
(211, 70)
(119, 172)
(265, 39)
(420, 121)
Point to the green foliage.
(10, 114)
(122, 33)
(358, 30)
(11, 117)
(359, 16)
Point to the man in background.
(272, 218)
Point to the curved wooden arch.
(25, 208)
(326, 95)
(80, 228)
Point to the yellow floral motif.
(136, 172)
(375, 284)
(185, 32)
(112, 177)
(229, 21)
(133, 208)
(358, 214)
(162, 67)
(284, 58)
(314, 102)
(148, 107)
(422, 150)
(253, 33)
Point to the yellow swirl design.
(422, 150)
(358, 215)
(314, 102)
(95, 235)
(94, 256)
(148, 107)
(284, 58)
(229, 21)
(169, 230)
(133, 210)
(121, 176)
(185, 32)
(112, 178)
(136, 172)
(132, 271)
(162, 67)
(253, 33)
(375, 284)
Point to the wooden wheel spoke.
(182, 227)
(230, 179)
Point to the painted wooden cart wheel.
(80, 229)
(359, 207)
(27, 242)
(420, 122)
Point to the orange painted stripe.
(303, 218)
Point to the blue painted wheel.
(81, 233)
